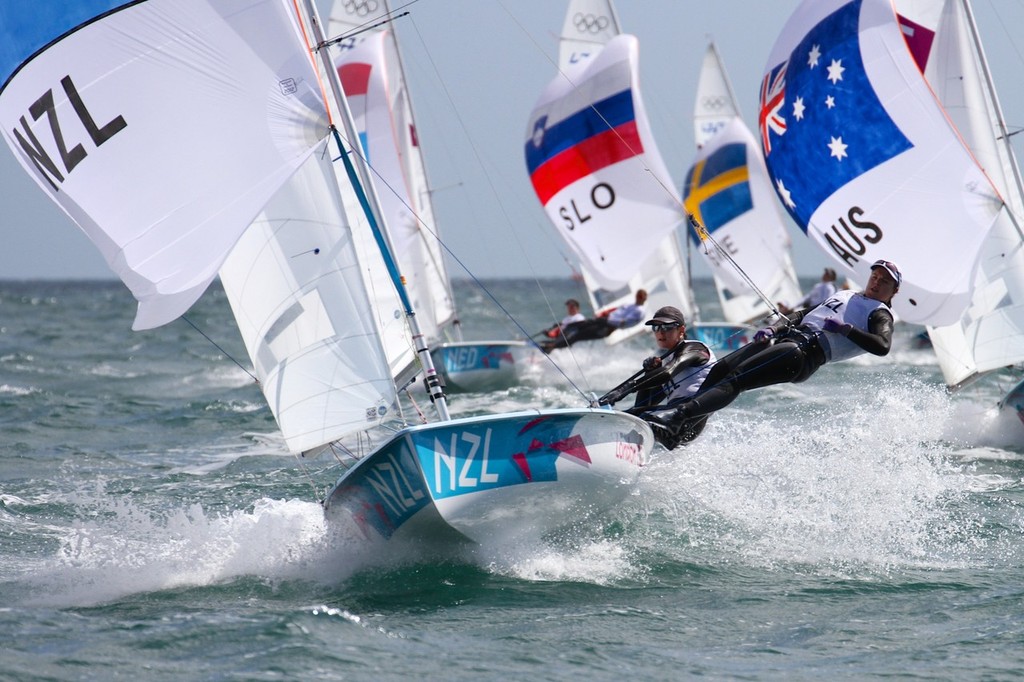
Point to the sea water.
(863, 524)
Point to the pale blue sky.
(476, 68)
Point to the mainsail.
(72, 112)
(864, 158)
(296, 288)
(596, 170)
(728, 191)
(944, 40)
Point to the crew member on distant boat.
(572, 314)
(817, 295)
(845, 325)
(601, 326)
(668, 378)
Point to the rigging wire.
(226, 354)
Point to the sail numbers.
(69, 157)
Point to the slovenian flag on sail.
(866, 162)
(594, 166)
(588, 140)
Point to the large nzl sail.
(79, 111)
(944, 40)
(864, 159)
(728, 191)
(596, 169)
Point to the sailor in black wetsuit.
(671, 377)
(844, 325)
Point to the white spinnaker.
(296, 288)
(990, 335)
(145, 97)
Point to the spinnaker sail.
(79, 111)
(865, 160)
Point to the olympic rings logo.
(362, 8)
(588, 23)
(716, 102)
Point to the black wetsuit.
(794, 356)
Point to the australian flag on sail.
(833, 127)
(594, 137)
(717, 189)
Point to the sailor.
(667, 378)
(843, 326)
(601, 326)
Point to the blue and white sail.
(79, 110)
(729, 193)
(596, 169)
(865, 160)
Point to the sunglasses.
(665, 327)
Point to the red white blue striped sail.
(594, 165)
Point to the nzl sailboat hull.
(493, 478)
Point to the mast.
(375, 214)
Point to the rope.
(226, 354)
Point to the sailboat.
(728, 192)
(892, 180)
(84, 118)
(945, 42)
(596, 170)
(370, 66)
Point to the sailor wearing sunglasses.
(670, 377)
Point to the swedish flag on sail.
(717, 189)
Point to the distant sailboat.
(944, 40)
(295, 279)
(729, 192)
(370, 66)
(596, 170)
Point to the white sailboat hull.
(493, 479)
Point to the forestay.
(131, 164)
(865, 160)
